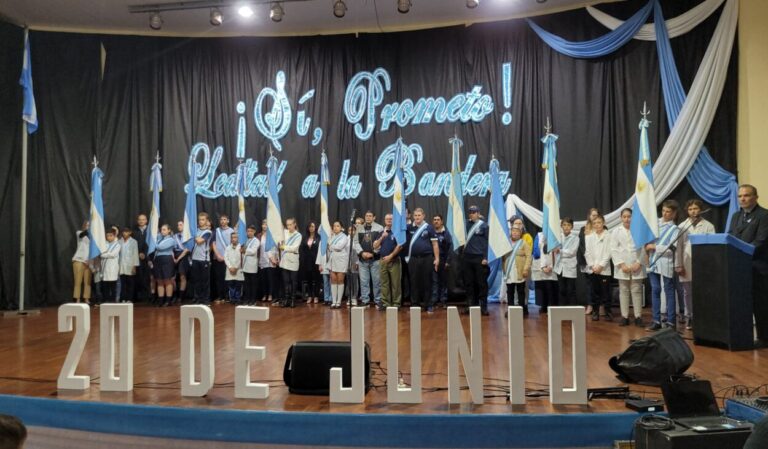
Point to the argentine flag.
(456, 221)
(274, 218)
(398, 197)
(242, 225)
(96, 231)
(156, 186)
(325, 223)
(551, 202)
(644, 227)
(189, 231)
(498, 236)
(29, 112)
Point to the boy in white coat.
(233, 259)
(129, 263)
(110, 266)
(598, 267)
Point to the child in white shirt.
(233, 259)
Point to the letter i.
(241, 131)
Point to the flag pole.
(23, 225)
(23, 217)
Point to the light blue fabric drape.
(601, 46)
(709, 180)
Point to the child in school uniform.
(129, 263)
(201, 256)
(80, 267)
(266, 269)
(597, 254)
(338, 262)
(233, 260)
(566, 263)
(543, 273)
(110, 266)
(182, 261)
(517, 269)
(250, 251)
(163, 267)
(629, 261)
(289, 262)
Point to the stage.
(34, 351)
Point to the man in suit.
(750, 224)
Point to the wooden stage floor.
(32, 352)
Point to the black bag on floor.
(652, 360)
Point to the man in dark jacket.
(750, 224)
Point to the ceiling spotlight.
(339, 8)
(155, 21)
(403, 6)
(472, 4)
(245, 11)
(216, 17)
(276, 12)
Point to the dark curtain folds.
(11, 50)
(163, 95)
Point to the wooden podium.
(722, 291)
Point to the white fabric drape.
(692, 126)
(676, 26)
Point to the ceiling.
(301, 17)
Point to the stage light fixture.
(245, 11)
(155, 21)
(276, 12)
(216, 17)
(339, 8)
(403, 6)
(472, 4)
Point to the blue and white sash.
(474, 229)
(416, 235)
(292, 239)
(667, 236)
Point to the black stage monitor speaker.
(652, 360)
(308, 365)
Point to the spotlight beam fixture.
(403, 6)
(472, 4)
(216, 17)
(339, 8)
(276, 12)
(155, 21)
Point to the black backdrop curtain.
(167, 94)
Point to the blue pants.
(370, 273)
(440, 284)
(327, 288)
(669, 294)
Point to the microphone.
(352, 216)
(705, 211)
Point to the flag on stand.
(29, 111)
(189, 231)
(644, 227)
(456, 222)
(550, 225)
(398, 197)
(274, 218)
(498, 234)
(96, 231)
(242, 225)
(325, 223)
(156, 186)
